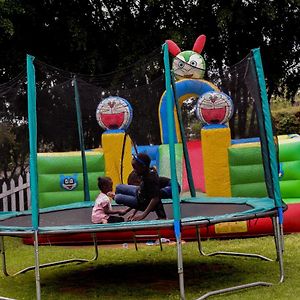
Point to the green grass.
(121, 273)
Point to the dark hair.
(103, 181)
(143, 159)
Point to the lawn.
(123, 273)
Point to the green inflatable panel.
(164, 161)
(247, 174)
(289, 151)
(256, 190)
(244, 156)
(60, 177)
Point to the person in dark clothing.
(165, 189)
(146, 196)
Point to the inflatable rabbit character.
(189, 63)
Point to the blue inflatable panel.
(185, 87)
(151, 150)
(244, 141)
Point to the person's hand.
(138, 217)
(111, 195)
(130, 217)
(123, 212)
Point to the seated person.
(102, 211)
(165, 188)
(144, 197)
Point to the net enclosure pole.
(32, 125)
(81, 142)
(272, 155)
(268, 125)
(184, 144)
(175, 193)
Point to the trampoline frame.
(277, 230)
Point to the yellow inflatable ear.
(199, 43)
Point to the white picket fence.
(17, 197)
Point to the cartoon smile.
(188, 75)
(112, 120)
(69, 187)
(214, 115)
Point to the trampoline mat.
(82, 216)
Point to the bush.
(287, 121)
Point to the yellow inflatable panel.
(112, 145)
(231, 227)
(215, 143)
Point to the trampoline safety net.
(75, 111)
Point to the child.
(102, 210)
(146, 196)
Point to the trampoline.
(182, 213)
(194, 211)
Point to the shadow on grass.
(146, 280)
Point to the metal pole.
(180, 268)
(279, 248)
(37, 265)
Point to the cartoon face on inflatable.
(188, 64)
(114, 113)
(69, 183)
(214, 108)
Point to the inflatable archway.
(185, 89)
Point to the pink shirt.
(98, 214)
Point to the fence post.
(28, 190)
(5, 203)
(13, 195)
(21, 193)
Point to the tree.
(100, 36)
(14, 151)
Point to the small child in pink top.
(102, 211)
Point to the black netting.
(236, 81)
(140, 84)
(13, 129)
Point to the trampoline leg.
(227, 253)
(37, 266)
(2, 249)
(199, 241)
(278, 237)
(62, 262)
(234, 288)
(180, 268)
(137, 236)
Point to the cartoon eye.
(71, 181)
(193, 63)
(66, 181)
(180, 64)
(196, 60)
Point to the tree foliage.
(100, 36)
(14, 151)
